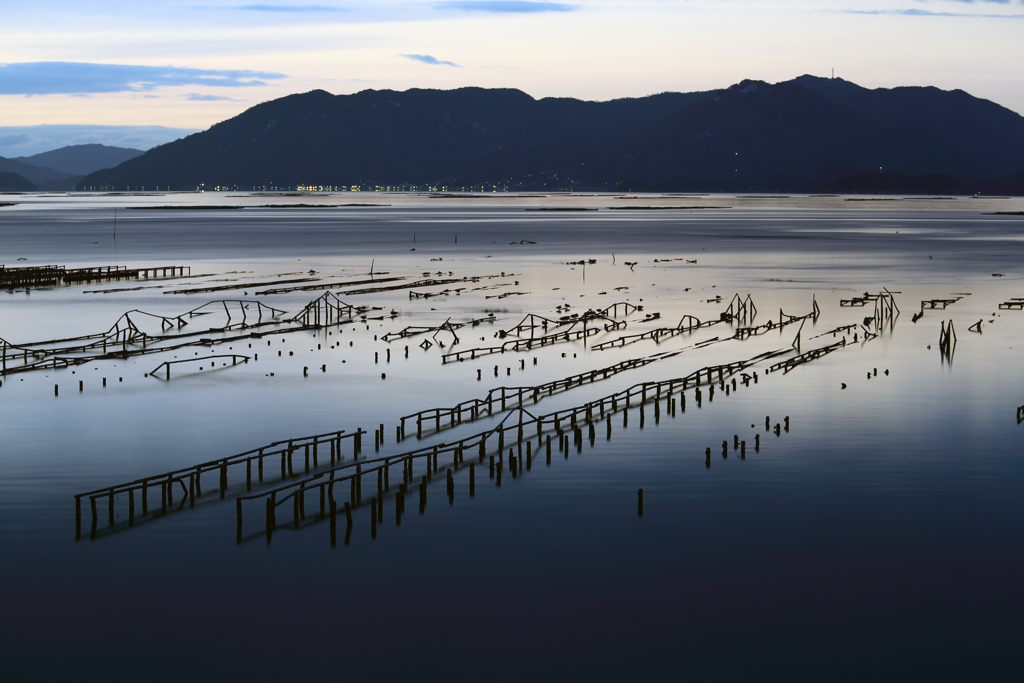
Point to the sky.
(147, 72)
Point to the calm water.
(882, 536)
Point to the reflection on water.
(836, 486)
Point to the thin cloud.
(16, 140)
(79, 78)
(506, 6)
(929, 13)
(196, 97)
(276, 8)
(427, 59)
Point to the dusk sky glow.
(189, 63)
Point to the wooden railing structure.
(842, 329)
(938, 303)
(125, 339)
(476, 408)
(807, 356)
(193, 476)
(947, 340)
(167, 364)
(740, 309)
(327, 309)
(1014, 303)
(41, 276)
(534, 322)
(784, 319)
(884, 303)
(448, 325)
(520, 344)
(352, 474)
(687, 323)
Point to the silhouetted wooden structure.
(436, 419)
(49, 276)
(687, 323)
(1016, 303)
(190, 478)
(166, 365)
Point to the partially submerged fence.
(192, 475)
(353, 473)
(476, 408)
(42, 276)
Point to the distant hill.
(12, 182)
(792, 136)
(81, 160)
(35, 174)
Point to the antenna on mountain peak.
(833, 73)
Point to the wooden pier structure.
(353, 474)
(49, 276)
(125, 338)
(807, 356)
(520, 344)
(947, 340)
(235, 358)
(294, 484)
(687, 323)
(1016, 303)
(327, 309)
(447, 325)
(190, 478)
(473, 409)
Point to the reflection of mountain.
(796, 135)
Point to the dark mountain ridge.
(795, 135)
(784, 136)
(977, 127)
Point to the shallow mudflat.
(882, 529)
